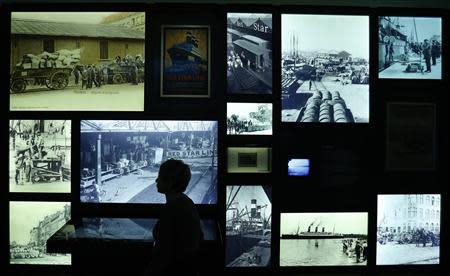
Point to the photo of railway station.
(409, 47)
(39, 156)
(119, 160)
(77, 61)
(325, 68)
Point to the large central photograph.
(119, 160)
(325, 68)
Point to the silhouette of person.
(177, 233)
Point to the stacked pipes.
(339, 107)
(325, 107)
(312, 108)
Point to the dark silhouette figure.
(177, 233)
(426, 50)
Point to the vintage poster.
(185, 64)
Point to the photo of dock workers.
(248, 226)
(77, 61)
(249, 53)
(31, 224)
(249, 118)
(408, 229)
(409, 47)
(39, 156)
(323, 239)
(325, 68)
(119, 160)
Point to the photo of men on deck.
(409, 47)
(249, 53)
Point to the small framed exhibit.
(249, 118)
(323, 239)
(249, 53)
(31, 224)
(324, 70)
(411, 136)
(299, 167)
(248, 226)
(185, 61)
(249, 160)
(40, 156)
(77, 61)
(408, 229)
(410, 47)
(129, 153)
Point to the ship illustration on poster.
(185, 64)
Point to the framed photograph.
(249, 160)
(409, 47)
(411, 136)
(185, 61)
(77, 61)
(249, 118)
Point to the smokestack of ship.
(253, 208)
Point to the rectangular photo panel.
(299, 167)
(249, 160)
(249, 118)
(185, 61)
(249, 53)
(248, 226)
(40, 156)
(31, 224)
(409, 47)
(323, 239)
(77, 61)
(119, 160)
(408, 229)
(325, 68)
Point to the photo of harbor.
(408, 229)
(119, 160)
(249, 53)
(409, 47)
(31, 225)
(325, 68)
(248, 226)
(323, 239)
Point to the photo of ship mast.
(323, 239)
(248, 226)
(409, 47)
(325, 68)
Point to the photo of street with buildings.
(77, 61)
(31, 225)
(249, 118)
(248, 226)
(409, 47)
(249, 53)
(119, 160)
(39, 156)
(408, 229)
(325, 68)
(323, 239)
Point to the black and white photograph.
(40, 156)
(77, 61)
(249, 53)
(411, 136)
(409, 47)
(31, 224)
(119, 160)
(249, 118)
(408, 229)
(323, 239)
(324, 68)
(248, 226)
(249, 160)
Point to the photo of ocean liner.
(248, 226)
(325, 69)
(323, 239)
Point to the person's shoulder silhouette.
(177, 233)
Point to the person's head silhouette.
(173, 177)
